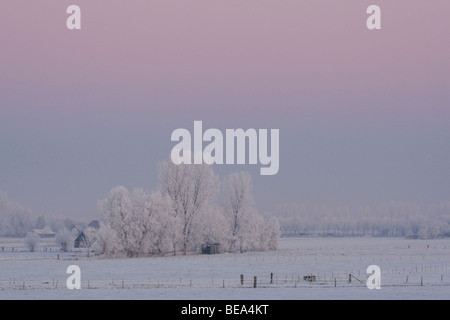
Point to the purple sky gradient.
(363, 115)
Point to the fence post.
(349, 278)
(421, 281)
(335, 282)
(271, 278)
(254, 282)
(242, 279)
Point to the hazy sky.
(364, 116)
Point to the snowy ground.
(411, 269)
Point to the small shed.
(210, 248)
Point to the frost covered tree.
(128, 217)
(106, 242)
(189, 187)
(15, 220)
(115, 212)
(238, 207)
(272, 234)
(140, 221)
(89, 239)
(165, 226)
(182, 215)
(248, 230)
(251, 234)
(137, 223)
(388, 219)
(65, 239)
(212, 227)
(31, 240)
(40, 223)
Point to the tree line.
(389, 219)
(17, 221)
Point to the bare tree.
(88, 239)
(106, 242)
(165, 226)
(15, 220)
(40, 223)
(212, 227)
(137, 223)
(238, 207)
(65, 239)
(127, 216)
(189, 186)
(272, 234)
(31, 240)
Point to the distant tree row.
(190, 208)
(15, 220)
(18, 221)
(390, 219)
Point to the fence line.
(284, 281)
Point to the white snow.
(405, 265)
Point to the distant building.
(75, 230)
(88, 235)
(45, 232)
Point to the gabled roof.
(94, 224)
(74, 226)
(44, 231)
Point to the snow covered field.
(411, 269)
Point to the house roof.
(74, 226)
(94, 224)
(44, 231)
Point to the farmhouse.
(45, 232)
(75, 230)
(88, 235)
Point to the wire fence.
(241, 281)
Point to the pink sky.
(156, 50)
(363, 115)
